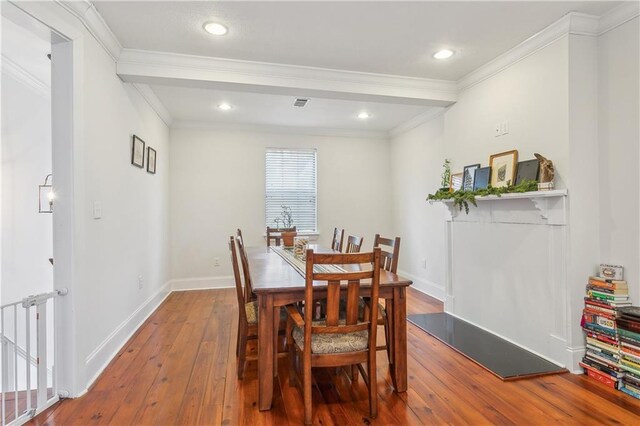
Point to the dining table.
(278, 280)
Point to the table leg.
(400, 338)
(265, 351)
(276, 338)
(390, 333)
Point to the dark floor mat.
(500, 357)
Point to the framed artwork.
(455, 183)
(481, 178)
(468, 176)
(503, 168)
(151, 160)
(137, 152)
(527, 170)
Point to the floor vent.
(300, 102)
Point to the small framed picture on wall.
(151, 160)
(137, 152)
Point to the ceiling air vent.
(300, 102)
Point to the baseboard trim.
(425, 286)
(204, 283)
(102, 355)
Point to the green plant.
(462, 199)
(286, 217)
(446, 174)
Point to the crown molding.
(618, 16)
(417, 121)
(154, 102)
(263, 128)
(571, 23)
(179, 69)
(12, 69)
(89, 16)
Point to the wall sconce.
(46, 196)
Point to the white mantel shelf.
(551, 207)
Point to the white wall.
(26, 161)
(619, 151)
(132, 238)
(576, 102)
(415, 173)
(217, 185)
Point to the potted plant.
(286, 217)
(446, 176)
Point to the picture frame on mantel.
(151, 160)
(468, 176)
(503, 168)
(455, 183)
(137, 152)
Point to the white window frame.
(269, 222)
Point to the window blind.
(291, 181)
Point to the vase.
(287, 238)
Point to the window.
(291, 181)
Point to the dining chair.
(330, 341)
(389, 255)
(275, 234)
(247, 314)
(244, 260)
(354, 243)
(338, 237)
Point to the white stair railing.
(17, 360)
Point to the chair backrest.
(353, 244)
(275, 234)
(244, 259)
(338, 237)
(240, 294)
(239, 235)
(352, 279)
(388, 258)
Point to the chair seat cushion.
(332, 343)
(251, 309)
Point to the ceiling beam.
(150, 67)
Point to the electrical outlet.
(424, 263)
(497, 129)
(140, 280)
(97, 210)
(216, 261)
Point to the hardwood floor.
(180, 368)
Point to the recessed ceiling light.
(215, 28)
(224, 106)
(443, 54)
(364, 115)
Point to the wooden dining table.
(277, 282)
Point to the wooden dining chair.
(338, 237)
(247, 314)
(244, 260)
(330, 341)
(389, 255)
(275, 234)
(354, 244)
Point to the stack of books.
(628, 325)
(601, 305)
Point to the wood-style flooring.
(180, 369)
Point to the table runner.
(301, 265)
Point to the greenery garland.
(462, 199)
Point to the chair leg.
(242, 355)
(306, 389)
(354, 373)
(373, 382)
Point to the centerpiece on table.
(286, 217)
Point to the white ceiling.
(189, 104)
(392, 37)
(372, 36)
